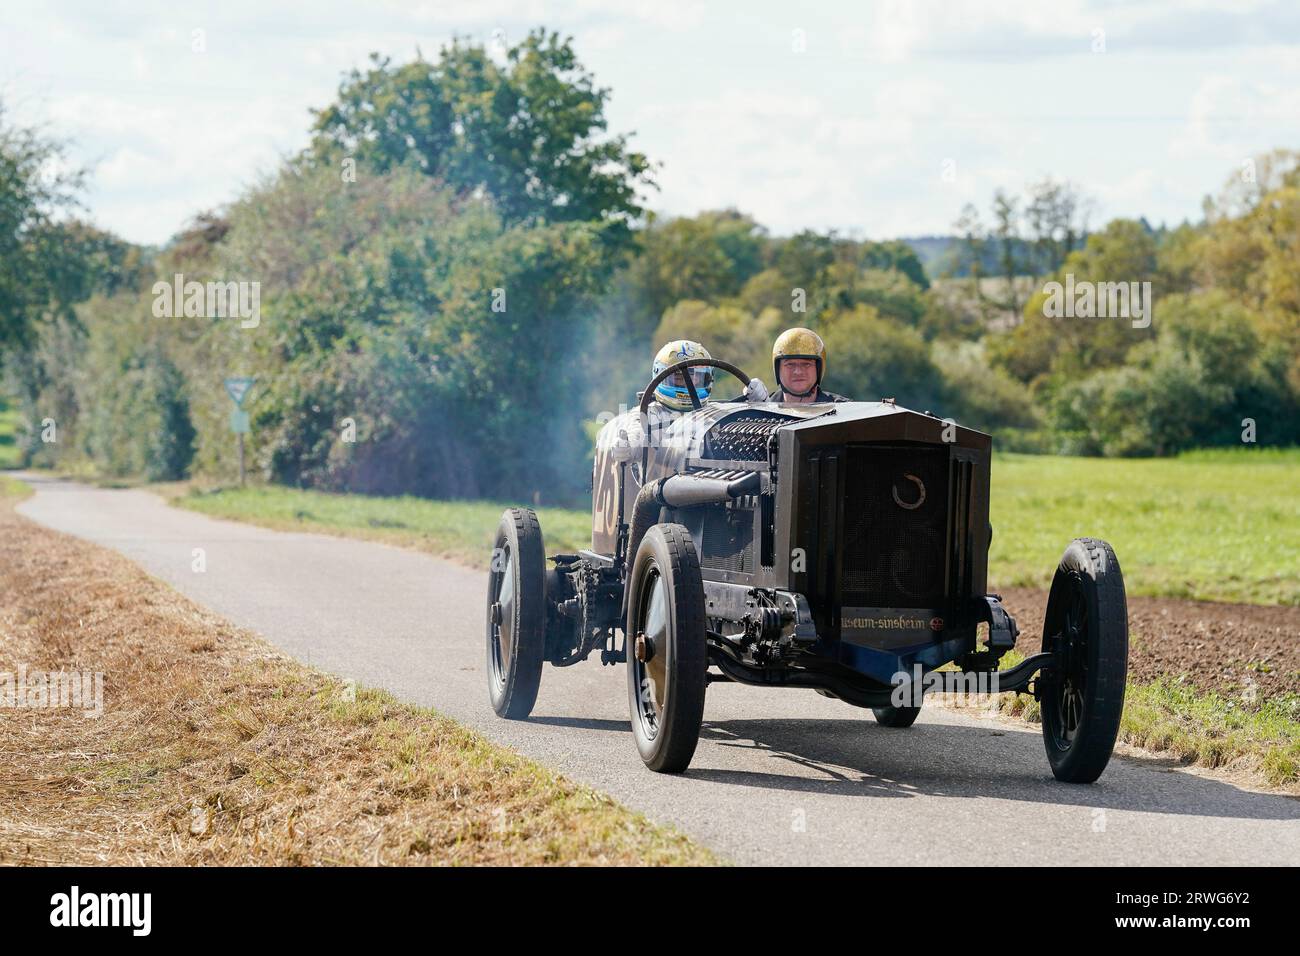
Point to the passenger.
(799, 363)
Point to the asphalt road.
(780, 777)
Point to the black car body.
(873, 516)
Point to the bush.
(1151, 410)
(982, 397)
(137, 419)
(1207, 371)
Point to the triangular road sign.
(237, 388)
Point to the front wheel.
(1082, 693)
(516, 614)
(898, 717)
(667, 650)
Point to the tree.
(707, 257)
(1006, 218)
(1056, 218)
(457, 344)
(1258, 176)
(138, 416)
(984, 398)
(529, 134)
(1210, 367)
(895, 255)
(1124, 252)
(769, 289)
(1250, 247)
(971, 243)
(892, 294)
(804, 258)
(40, 273)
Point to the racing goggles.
(674, 386)
(702, 377)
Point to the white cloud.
(1230, 119)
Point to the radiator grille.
(960, 556)
(896, 509)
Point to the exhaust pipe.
(686, 491)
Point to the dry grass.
(216, 749)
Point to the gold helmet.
(799, 343)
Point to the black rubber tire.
(899, 717)
(514, 665)
(1082, 697)
(666, 714)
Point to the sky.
(878, 120)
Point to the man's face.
(798, 374)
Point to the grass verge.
(1203, 729)
(213, 748)
(12, 490)
(461, 530)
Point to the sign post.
(238, 389)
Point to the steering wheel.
(648, 396)
(690, 383)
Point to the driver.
(672, 392)
(799, 362)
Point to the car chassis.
(837, 547)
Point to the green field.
(1221, 526)
(1211, 526)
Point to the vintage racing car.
(840, 547)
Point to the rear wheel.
(900, 717)
(1082, 694)
(516, 614)
(667, 651)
